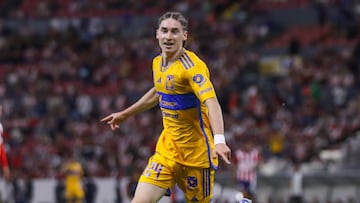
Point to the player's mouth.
(168, 44)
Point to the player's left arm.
(199, 80)
(217, 125)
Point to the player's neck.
(170, 58)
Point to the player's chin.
(168, 48)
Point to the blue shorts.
(247, 186)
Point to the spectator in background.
(294, 47)
(118, 196)
(59, 191)
(296, 184)
(90, 189)
(321, 12)
(22, 187)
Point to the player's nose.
(168, 35)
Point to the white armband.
(219, 138)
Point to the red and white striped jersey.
(246, 164)
(3, 158)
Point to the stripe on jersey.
(177, 101)
(189, 59)
(186, 61)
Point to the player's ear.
(185, 36)
(157, 33)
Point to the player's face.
(171, 36)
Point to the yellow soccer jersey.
(74, 172)
(73, 184)
(183, 88)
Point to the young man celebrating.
(188, 148)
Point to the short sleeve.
(199, 80)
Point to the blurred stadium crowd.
(288, 82)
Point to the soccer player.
(192, 139)
(3, 155)
(74, 191)
(296, 184)
(247, 161)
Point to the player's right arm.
(146, 102)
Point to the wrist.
(219, 139)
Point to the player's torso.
(174, 92)
(185, 120)
(74, 173)
(178, 103)
(246, 164)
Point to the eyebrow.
(167, 28)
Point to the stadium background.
(286, 73)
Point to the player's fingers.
(226, 158)
(111, 120)
(106, 118)
(214, 154)
(114, 126)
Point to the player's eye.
(175, 31)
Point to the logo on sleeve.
(199, 79)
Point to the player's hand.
(114, 120)
(223, 151)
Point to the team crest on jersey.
(199, 79)
(192, 182)
(169, 82)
